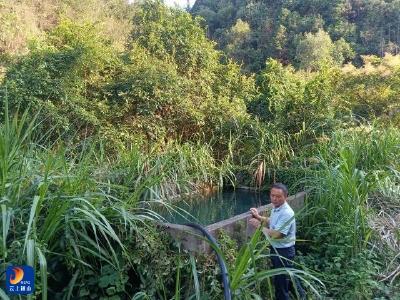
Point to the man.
(281, 228)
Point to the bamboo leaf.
(43, 272)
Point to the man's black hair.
(281, 186)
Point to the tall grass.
(51, 206)
(169, 172)
(349, 166)
(75, 208)
(255, 150)
(251, 277)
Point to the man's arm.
(282, 227)
(258, 221)
(273, 233)
(264, 220)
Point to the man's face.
(277, 197)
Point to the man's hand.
(255, 213)
(260, 218)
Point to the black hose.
(224, 270)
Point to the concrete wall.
(236, 227)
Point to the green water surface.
(218, 207)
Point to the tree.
(314, 50)
(214, 92)
(294, 101)
(61, 77)
(372, 91)
(342, 52)
(170, 84)
(238, 42)
(370, 27)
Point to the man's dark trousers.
(281, 282)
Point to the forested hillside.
(111, 109)
(156, 76)
(301, 31)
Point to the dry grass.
(386, 225)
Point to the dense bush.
(170, 83)
(120, 121)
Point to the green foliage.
(78, 213)
(109, 284)
(155, 261)
(296, 102)
(342, 52)
(174, 34)
(238, 45)
(346, 277)
(372, 91)
(277, 28)
(59, 78)
(170, 83)
(208, 92)
(164, 113)
(24, 21)
(316, 50)
(339, 226)
(346, 177)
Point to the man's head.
(278, 194)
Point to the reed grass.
(351, 165)
(80, 205)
